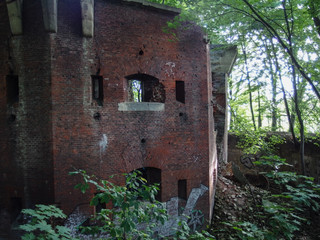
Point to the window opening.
(136, 90)
(145, 88)
(100, 206)
(180, 91)
(16, 207)
(182, 189)
(97, 89)
(12, 89)
(182, 195)
(153, 176)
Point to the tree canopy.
(275, 84)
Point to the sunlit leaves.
(234, 22)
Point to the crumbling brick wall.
(286, 150)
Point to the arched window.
(145, 88)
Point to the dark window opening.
(145, 88)
(180, 92)
(100, 206)
(182, 189)
(12, 89)
(97, 89)
(153, 176)
(97, 116)
(12, 118)
(16, 207)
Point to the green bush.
(133, 205)
(135, 213)
(42, 222)
(285, 209)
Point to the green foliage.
(133, 205)
(265, 32)
(258, 142)
(42, 224)
(184, 232)
(285, 209)
(134, 213)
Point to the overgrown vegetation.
(275, 83)
(133, 205)
(275, 86)
(42, 222)
(288, 207)
(284, 211)
(133, 213)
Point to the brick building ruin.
(98, 85)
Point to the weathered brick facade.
(26, 165)
(58, 125)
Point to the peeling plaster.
(103, 143)
(170, 66)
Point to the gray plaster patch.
(140, 106)
(103, 143)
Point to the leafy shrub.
(258, 142)
(135, 213)
(285, 209)
(42, 224)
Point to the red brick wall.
(55, 130)
(176, 140)
(8, 166)
(25, 128)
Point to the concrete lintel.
(87, 14)
(140, 106)
(223, 58)
(49, 11)
(156, 5)
(15, 16)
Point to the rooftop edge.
(155, 5)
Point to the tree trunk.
(298, 112)
(293, 58)
(259, 110)
(313, 13)
(290, 120)
(295, 83)
(274, 90)
(249, 87)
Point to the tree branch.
(284, 45)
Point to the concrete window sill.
(140, 106)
